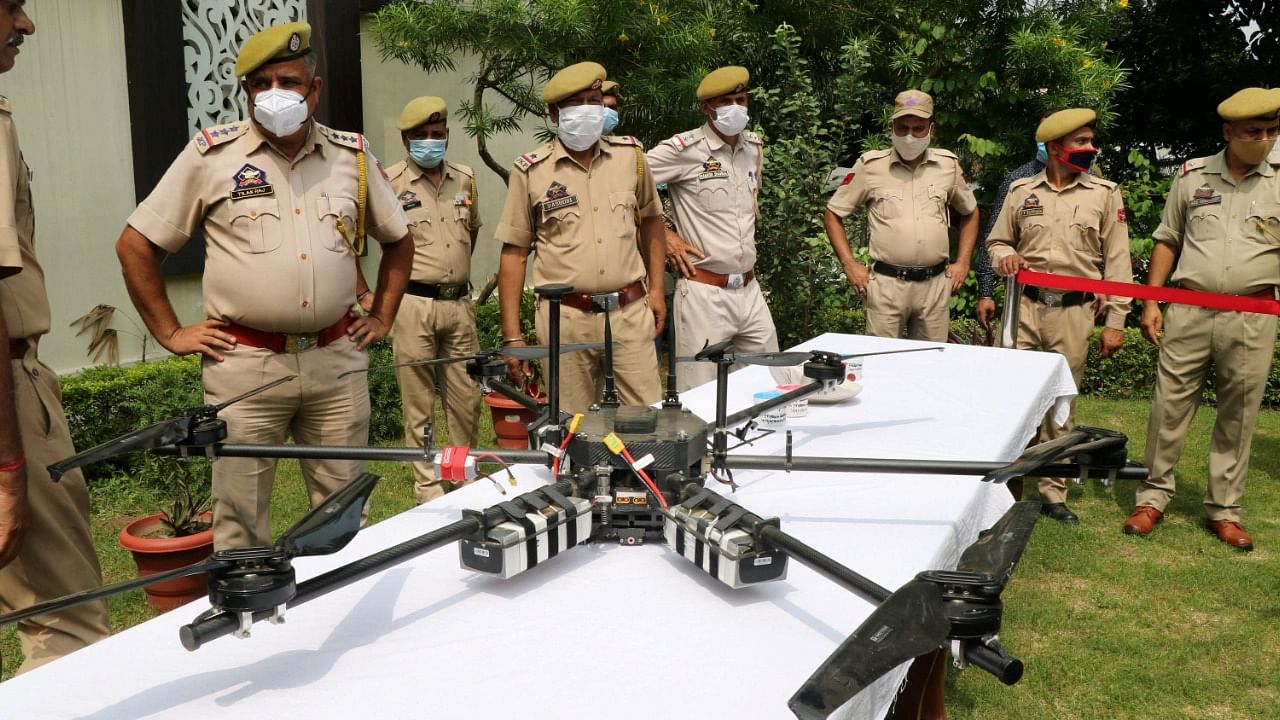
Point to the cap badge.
(295, 42)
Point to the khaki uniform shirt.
(583, 219)
(908, 211)
(22, 291)
(274, 259)
(441, 219)
(1071, 231)
(1227, 233)
(713, 188)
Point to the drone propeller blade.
(537, 352)
(105, 591)
(331, 524)
(413, 363)
(850, 356)
(999, 548)
(773, 359)
(1037, 456)
(162, 433)
(911, 622)
(251, 393)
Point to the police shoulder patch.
(875, 155)
(1193, 164)
(943, 152)
(685, 140)
(4, 104)
(460, 168)
(355, 141)
(752, 137)
(1021, 182)
(621, 140)
(212, 137)
(397, 170)
(529, 159)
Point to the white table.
(606, 631)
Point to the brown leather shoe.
(1142, 521)
(1230, 532)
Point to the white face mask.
(280, 112)
(910, 146)
(580, 126)
(731, 119)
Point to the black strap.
(913, 273)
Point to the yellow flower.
(1059, 42)
(711, 32)
(1088, 63)
(622, 37)
(1104, 45)
(404, 44)
(1124, 3)
(662, 19)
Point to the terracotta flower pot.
(155, 554)
(510, 421)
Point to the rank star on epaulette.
(1204, 195)
(409, 200)
(558, 197)
(712, 170)
(1031, 206)
(250, 181)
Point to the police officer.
(45, 547)
(436, 318)
(1221, 233)
(590, 204)
(910, 191)
(1064, 220)
(713, 178)
(609, 90)
(280, 200)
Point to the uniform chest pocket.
(623, 207)
(420, 226)
(1031, 229)
(1204, 224)
(713, 194)
(560, 226)
(1265, 226)
(886, 203)
(936, 204)
(256, 223)
(1083, 232)
(330, 210)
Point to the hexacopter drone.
(631, 474)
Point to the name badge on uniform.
(1204, 195)
(250, 181)
(409, 200)
(461, 200)
(712, 170)
(558, 197)
(1031, 207)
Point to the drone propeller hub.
(972, 602)
(208, 432)
(825, 367)
(257, 578)
(487, 368)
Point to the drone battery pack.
(514, 546)
(729, 556)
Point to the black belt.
(1053, 298)
(912, 273)
(438, 291)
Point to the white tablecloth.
(606, 631)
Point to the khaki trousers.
(1238, 347)
(57, 556)
(635, 360)
(922, 308)
(706, 314)
(426, 328)
(1066, 331)
(316, 408)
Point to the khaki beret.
(1064, 122)
(272, 45)
(913, 102)
(573, 80)
(609, 87)
(723, 81)
(1250, 103)
(427, 108)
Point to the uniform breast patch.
(558, 197)
(1204, 195)
(409, 200)
(461, 200)
(1031, 206)
(250, 181)
(712, 170)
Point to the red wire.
(555, 465)
(645, 478)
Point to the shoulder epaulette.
(685, 140)
(355, 141)
(621, 140)
(1103, 182)
(459, 167)
(397, 170)
(943, 152)
(529, 159)
(4, 104)
(1023, 181)
(752, 137)
(219, 134)
(1193, 164)
(875, 154)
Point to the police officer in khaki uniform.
(910, 192)
(1220, 233)
(611, 93)
(1064, 220)
(279, 201)
(45, 547)
(713, 178)
(436, 318)
(591, 205)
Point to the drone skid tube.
(1131, 471)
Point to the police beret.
(609, 87)
(1064, 122)
(272, 45)
(1250, 103)
(427, 108)
(573, 80)
(723, 81)
(913, 102)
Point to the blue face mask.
(427, 153)
(1042, 153)
(610, 120)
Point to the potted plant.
(511, 419)
(180, 535)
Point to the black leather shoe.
(1060, 512)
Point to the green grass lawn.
(1110, 626)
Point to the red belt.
(18, 348)
(1260, 302)
(289, 342)
(599, 302)
(710, 278)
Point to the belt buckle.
(1051, 298)
(604, 302)
(450, 292)
(734, 281)
(902, 273)
(300, 342)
